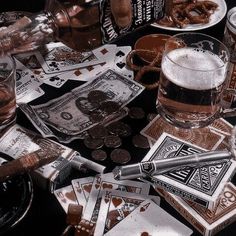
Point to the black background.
(46, 216)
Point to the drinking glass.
(193, 80)
(7, 92)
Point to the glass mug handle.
(228, 112)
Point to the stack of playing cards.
(110, 205)
(58, 63)
(203, 195)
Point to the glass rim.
(13, 69)
(205, 35)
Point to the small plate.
(215, 18)
(16, 196)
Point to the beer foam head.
(194, 69)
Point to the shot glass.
(193, 80)
(7, 92)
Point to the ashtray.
(16, 196)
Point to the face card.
(82, 188)
(60, 58)
(120, 62)
(149, 219)
(66, 196)
(114, 207)
(107, 181)
(204, 137)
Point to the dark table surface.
(46, 216)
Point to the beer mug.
(193, 80)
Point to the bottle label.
(142, 12)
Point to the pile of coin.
(101, 138)
(97, 105)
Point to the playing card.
(222, 126)
(202, 185)
(66, 196)
(32, 95)
(30, 61)
(107, 181)
(203, 137)
(207, 222)
(26, 81)
(82, 188)
(115, 206)
(120, 62)
(149, 219)
(59, 58)
(56, 81)
(87, 73)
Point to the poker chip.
(120, 156)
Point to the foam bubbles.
(208, 70)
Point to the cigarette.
(78, 160)
(151, 168)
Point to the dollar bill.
(70, 114)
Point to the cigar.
(150, 168)
(27, 163)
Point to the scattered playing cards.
(109, 205)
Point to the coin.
(98, 131)
(96, 116)
(119, 128)
(110, 107)
(99, 155)
(112, 141)
(93, 143)
(120, 156)
(97, 96)
(140, 141)
(136, 113)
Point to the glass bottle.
(80, 24)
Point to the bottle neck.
(58, 20)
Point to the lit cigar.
(28, 163)
(150, 168)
